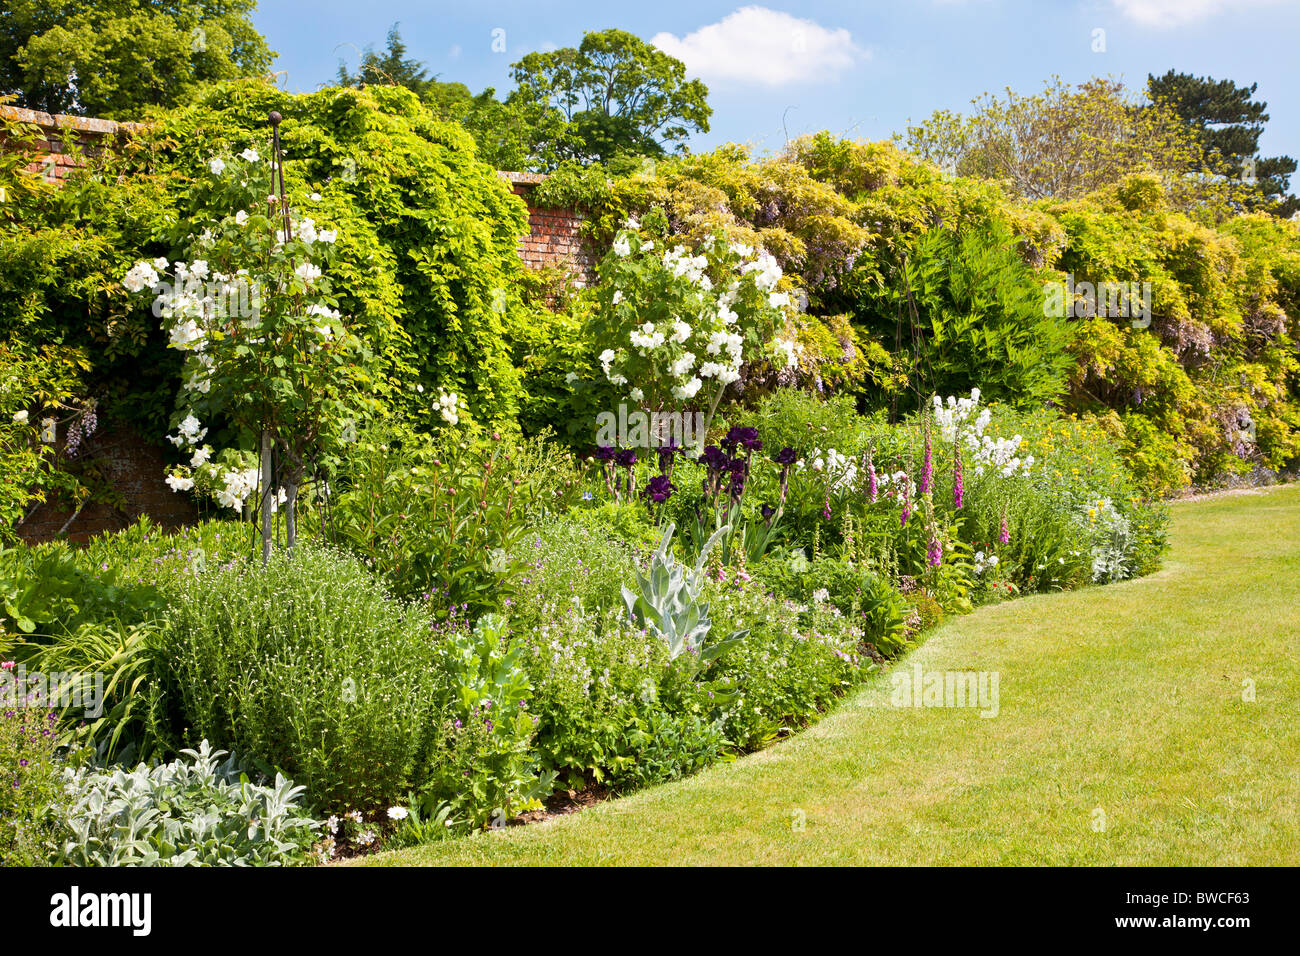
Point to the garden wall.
(554, 235)
(133, 467)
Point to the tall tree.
(392, 68)
(618, 95)
(1067, 141)
(1229, 123)
(113, 58)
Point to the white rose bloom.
(249, 155)
(622, 247)
(201, 455)
(637, 394)
(681, 331)
(687, 390)
(308, 272)
(179, 482)
(217, 167)
(241, 217)
(141, 276)
(20, 418)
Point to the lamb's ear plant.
(195, 812)
(667, 603)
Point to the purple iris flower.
(659, 489)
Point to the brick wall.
(554, 235)
(62, 138)
(135, 467)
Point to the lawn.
(1122, 737)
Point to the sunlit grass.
(1122, 737)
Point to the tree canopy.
(613, 99)
(1229, 123)
(1066, 142)
(114, 58)
(618, 95)
(393, 67)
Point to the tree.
(394, 68)
(114, 58)
(617, 94)
(514, 134)
(1068, 141)
(265, 347)
(1228, 124)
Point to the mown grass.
(1125, 701)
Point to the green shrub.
(784, 672)
(31, 781)
(185, 813)
(308, 667)
(482, 764)
(445, 519)
(866, 600)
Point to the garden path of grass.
(1127, 698)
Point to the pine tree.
(1229, 123)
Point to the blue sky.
(861, 69)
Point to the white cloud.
(1176, 13)
(767, 47)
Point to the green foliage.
(667, 604)
(32, 796)
(1228, 124)
(307, 667)
(445, 519)
(39, 389)
(1068, 141)
(486, 771)
(970, 314)
(1210, 386)
(393, 68)
(784, 673)
(113, 58)
(861, 595)
(618, 95)
(195, 812)
(426, 263)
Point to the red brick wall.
(63, 137)
(554, 235)
(135, 470)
